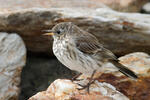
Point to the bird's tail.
(124, 69)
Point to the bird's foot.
(75, 78)
(87, 86)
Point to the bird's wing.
(88, 43)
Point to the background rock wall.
(128, 31)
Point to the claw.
(75, 77)
(91, 81)
(86, 86)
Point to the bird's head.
(62, 30)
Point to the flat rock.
(122, 33)
(121, 5)
(62, 89)
(12, 60)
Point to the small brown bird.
(81, 51)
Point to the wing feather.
(88, 43)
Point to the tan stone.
(62, 89)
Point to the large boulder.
(12, 60)
(122, 33)
(121, 5)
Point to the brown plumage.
(81, 51)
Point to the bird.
(81, 51)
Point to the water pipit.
(81, 51)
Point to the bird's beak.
(48, 32)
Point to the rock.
(146, 8)
(138, 62)
(121, 5)
(134, 89)
(49, 4)
(12, 60)
(114, 28)
(124, 5)
(122, 33)
(62, 89)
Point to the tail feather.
(124, 69)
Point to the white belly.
(81, 63)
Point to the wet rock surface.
(12, 60)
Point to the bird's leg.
(91, 81)
(87, 86)
(75, 77)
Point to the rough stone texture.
(138, 62)
(134, 89)
(122, 33)
(67, 90)
(121, 5)
(124, 5)
(12, 59)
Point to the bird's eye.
(58, 32)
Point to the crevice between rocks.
(39, 72)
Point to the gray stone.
(12, 60)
